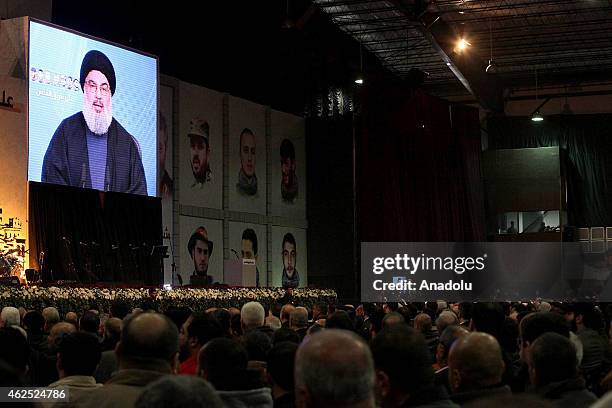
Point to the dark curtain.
(587, 139)
(90, 236)
(419, 169)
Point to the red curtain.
(418, 169)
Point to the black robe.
(67, 161)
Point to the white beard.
(98, 123)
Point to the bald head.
(286, 312)
(149, 341)
(475, 361)
(298, 318)
(334, 368)
(58, 330)
(72, 318)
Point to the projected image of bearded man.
(91, 149)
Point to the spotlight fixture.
(359, 80)
(537, 116)
(462, 45)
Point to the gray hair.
(10, 316)
(446, 318)
(174, 391)
(335, 367)
(252, 315)
(51, 315)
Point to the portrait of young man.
(248, 249)
(200, 249)
(199, 139)
(291, 277)
(91, 149)
(289, 181)
(247, 179)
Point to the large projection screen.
(92, 119)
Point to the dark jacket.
(67, 161)
(570, 393)
(285, 401)
(463, 398)
(257, 398)
(430, 397)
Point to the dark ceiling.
(566, 41)
(259, 50)
(284, 53)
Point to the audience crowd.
(434, 354)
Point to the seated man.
(476, 367)
(553, 371)
(78, 356)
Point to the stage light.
(537, 116)
(462, 45)
(359, 80)
(167, 286)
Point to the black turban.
(96, 61)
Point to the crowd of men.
(433, 355)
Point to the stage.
(79, 298)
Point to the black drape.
(419, 169)
(111, 235)
(587, 139)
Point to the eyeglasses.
(92, 87)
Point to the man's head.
(286, 312)
(98, 84)
(551, 358)
(199, 139)
(58, 331)
(289, 254)
(51, 316)
(221, 362)
(179, 391)
(14, 349)
(90, 322)
(33, 322)
(9, 316)
(249, 244)
(392, 319)
(72, 318)
(112, 329)
(334, 368)
(287, 157)
(475, 362)
(446, 319)
(534, 325)
(422, 322)
(200, 249)
(281, 362)
(78, 354)
(252, 316)
(447, 338)
(402, 362)
(298, 319)
(148, 341)
(247, 152)
(197, 331)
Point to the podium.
(240, 272)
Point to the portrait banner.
(247, 157)
(288, 165)
(201, 146)
(201, 249)
(289, 257)
(250, 241)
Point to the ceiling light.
(359, 80)
(537, 116)
(491, 68)
(462, 44)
